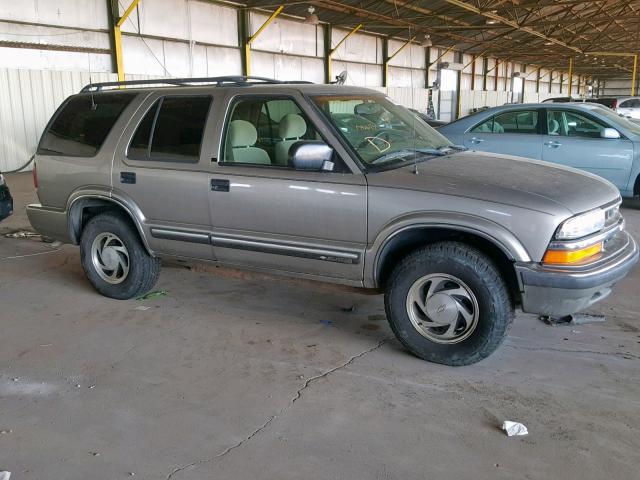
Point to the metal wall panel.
(406, 77)
(211, 23)
(359, 74)
(412, 56)
(287, 36)
(358, 47)
(223, 61)
(15, 32)
(27, 58)
(68, 13)
(287, 67)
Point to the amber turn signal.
(572, 256)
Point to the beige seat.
(242, 137)
(554, 127)
(292, 128)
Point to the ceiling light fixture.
(425, 41)
(311, 18)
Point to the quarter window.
(82, 124)
(172, 130)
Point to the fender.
(83, 198)
(499, 236)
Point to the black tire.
(477, 271)
(143, 269)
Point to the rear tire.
(114, 258)
(447, 303)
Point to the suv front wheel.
(114, 259)
(447, 303)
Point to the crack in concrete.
(271, 418)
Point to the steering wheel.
(385, 137)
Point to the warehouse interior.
(230, 373)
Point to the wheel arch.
(84, 207)
(407, 240)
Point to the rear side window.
(172, 130)
(510, 122)
(82, 124)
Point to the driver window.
(261, 131)
(570, 124)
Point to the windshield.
(382, 133)
(622, 121)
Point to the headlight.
(581, 225)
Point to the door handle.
(219, 185)
(128, 177)
(553, 144)
(476, 140)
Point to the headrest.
(242, 134)
(292, 126)
(554, 126)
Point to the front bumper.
(559, 291)
(6, 202)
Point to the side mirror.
(311, 155)
(609, 133)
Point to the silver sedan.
(581, 135)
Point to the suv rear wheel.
(447, 303)
(114, 259)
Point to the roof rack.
(238, 80)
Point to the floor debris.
(514, 428)
(157, 293)
(574, 319)
(23, 234)
(142, 308)
(5, 475)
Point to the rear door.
(265, 213)
(515, 132)
(159, 168)
(573, 139)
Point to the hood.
(505, 179)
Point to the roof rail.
(238, 80)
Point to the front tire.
(114, 259)
(447, 303)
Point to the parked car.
(433, 122)
(580, 135)
(274, 176)
(559, 100)
(625, 106)
(6, 201)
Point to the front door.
(573, 139)
(267, 214)
(515, 132)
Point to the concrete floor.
(238, 376)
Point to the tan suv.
(326, 182)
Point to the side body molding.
(498, 235)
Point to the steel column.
(117, 38)
(249, 41)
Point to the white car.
(625, 106)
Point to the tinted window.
(139, 148)
(82, 124)
(633, 103)
(173, 127)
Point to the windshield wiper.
(409, 152)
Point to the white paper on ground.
(512, 428)
(5, 475)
